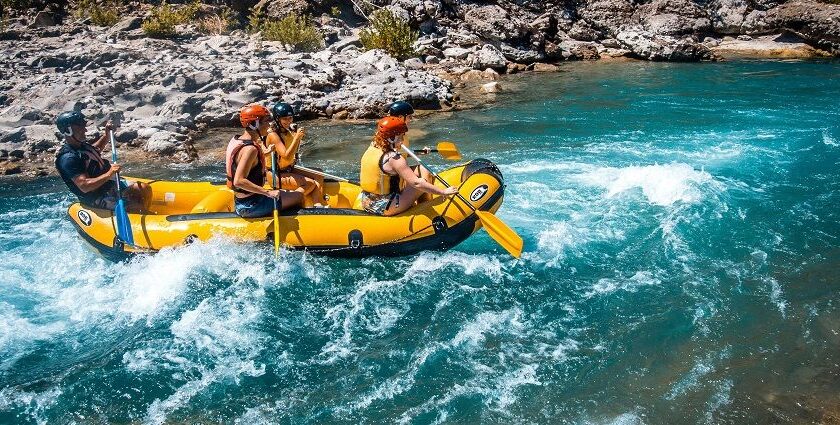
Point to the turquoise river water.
(681, 265)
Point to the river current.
(682, 248)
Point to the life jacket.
(93, 165)
(372, 178)
(255, 175)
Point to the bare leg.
(293, 181)
(289, 199)
(317, 193)
(138, 197)
(408, 197)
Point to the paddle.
(124, 232)
(447, 150)
(496, 228)
(276, 207)
(320, 173)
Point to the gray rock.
(346, 42)
(727, 16)
(16, 135)
(43, 19)
(816, 23)
(129, 23)
(487, 57)
(572, 50)
(456, 52)
(672, 17)
(161, 143)
(519, 55)
(413, 63)
(651, 47)
(582, 30)
(492, 22)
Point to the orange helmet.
(390, 127)
(250, 115)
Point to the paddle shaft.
(320, 173)
(276, 206)
(114, 160)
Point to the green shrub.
(164, 18)
(254, 19)
(389, 33)
(293, 30)
(102, 13)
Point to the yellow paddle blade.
(501, 233)
(276, 232)
(449, 151)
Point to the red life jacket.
(255, 175)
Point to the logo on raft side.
(84, 217)
(478, 193)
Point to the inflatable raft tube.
(185, 212)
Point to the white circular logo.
(478, 193)
(84, 217)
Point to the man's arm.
(103, 140)
(89, 184)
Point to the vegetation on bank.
(293, 30)
(385, 30)
(101, 13)
(390, 33)
(165, 18)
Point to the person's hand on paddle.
(115, 168)
(109, 127)
(427, 150)
(451, 190)
(273, 194)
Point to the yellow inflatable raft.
(184, 212)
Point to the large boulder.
(491, 22)
(278, 9)
(817, 23)
(487, 57)
(649, 46)
(521, 55)
(569, 49)
(606, 15)
(672, 17)
(727, 16)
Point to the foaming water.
(681, 255)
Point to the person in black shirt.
(87, 174)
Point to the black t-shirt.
(87, 160)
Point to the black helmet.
(66, 119)
(400, 108)
(280, 110)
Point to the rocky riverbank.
(169, 89)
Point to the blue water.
(681, 266)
